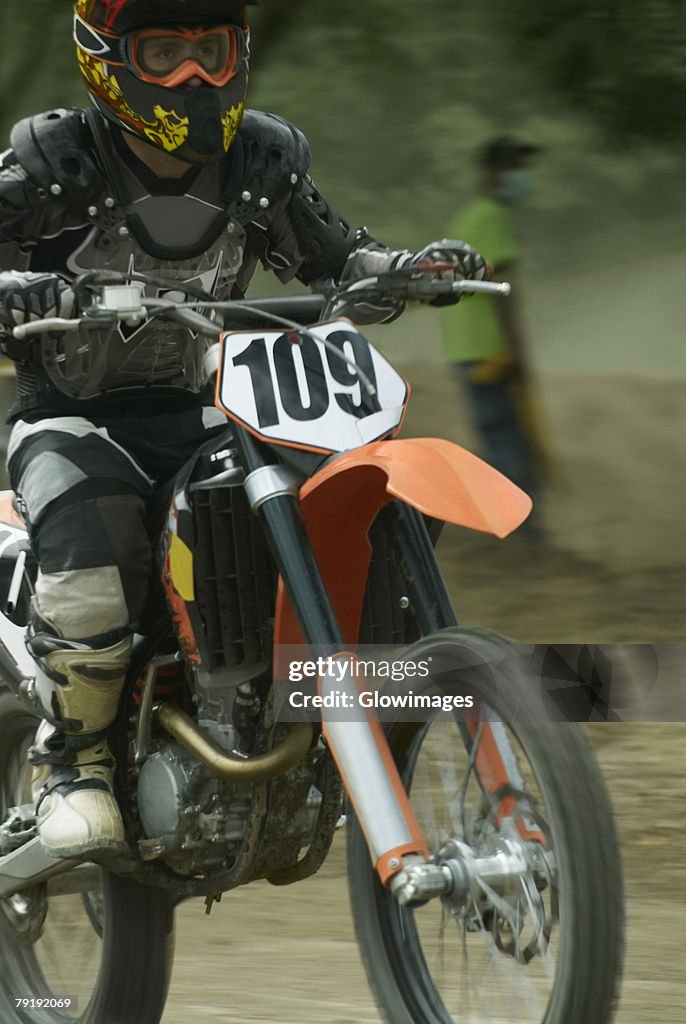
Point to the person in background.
(486, 341)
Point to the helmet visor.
(171, 57)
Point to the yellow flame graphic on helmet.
(231, 123)
(168, 130)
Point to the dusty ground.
(613, 571)
(289, 956)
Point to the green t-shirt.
(470, 329)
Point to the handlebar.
(120, 297)
(242, 313)
(423, 286)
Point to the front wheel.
(545, 950)
(86, 947)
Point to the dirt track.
(615, 571)
(288, 956)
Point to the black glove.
(27, 296)
(466, 264)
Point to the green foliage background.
(396, 96)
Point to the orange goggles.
(171, 57)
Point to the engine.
(223, 619)
(192, 820)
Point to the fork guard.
(340, 502)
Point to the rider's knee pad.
(79, 682)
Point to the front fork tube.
(359, 748)
(370, 775)
(429, 596)
(494, 758)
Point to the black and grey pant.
(91, 491)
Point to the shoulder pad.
(273, 143)
(276, 156)
(20, 198)
(54, 149)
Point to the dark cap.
(506, 150)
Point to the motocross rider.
(165, 174)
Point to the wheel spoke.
(50, 941)
(498, 802)
(512, 982)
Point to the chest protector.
(193, 231)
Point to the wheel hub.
(460, 875)
(25, 914)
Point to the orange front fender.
(341, 501)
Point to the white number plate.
(294, 390)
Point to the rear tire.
(110, 947)
(548, 954)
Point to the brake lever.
(54, 323)
(188, 317)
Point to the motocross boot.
(78, 685)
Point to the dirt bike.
(484, 873)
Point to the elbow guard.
(324, 238)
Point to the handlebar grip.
(468, 287)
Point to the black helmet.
(138, 76)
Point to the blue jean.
(496, 418)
